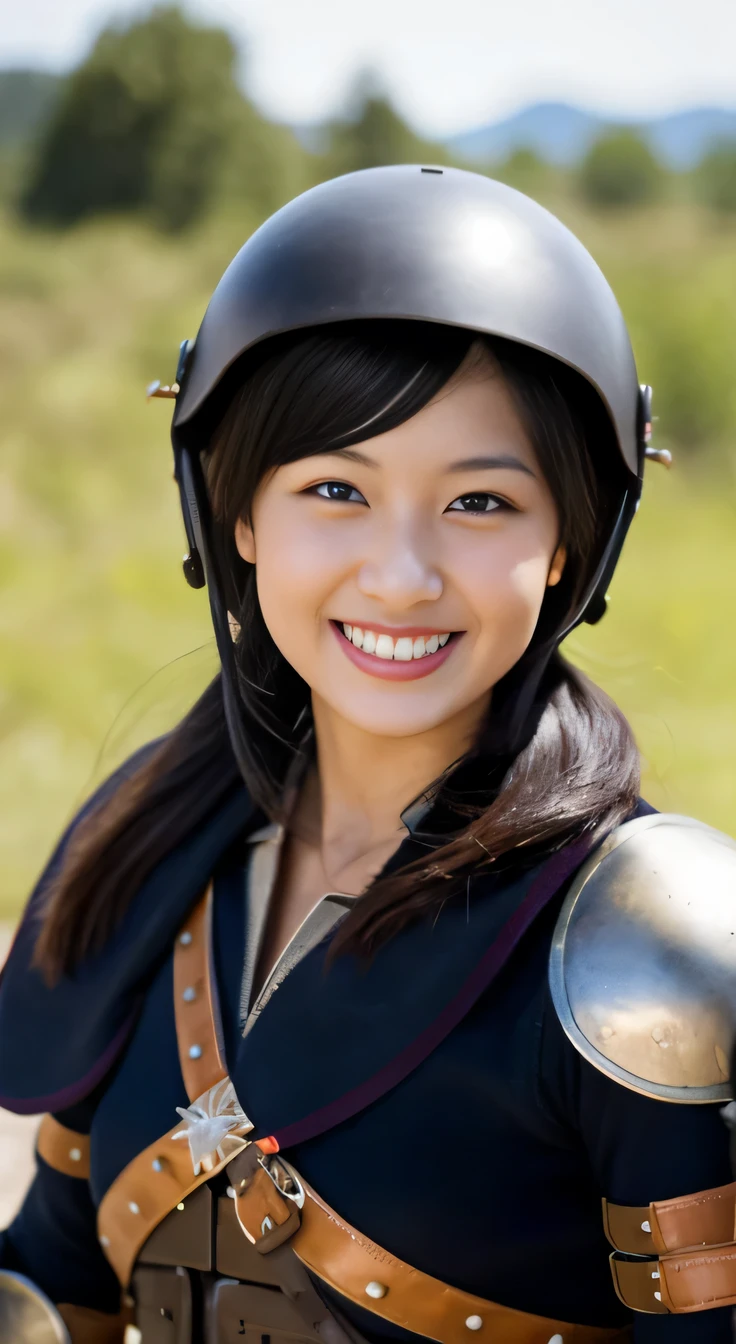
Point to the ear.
(245, 541)
(559, 560)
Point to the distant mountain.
(26, 99)
(562, 134)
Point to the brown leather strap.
(703, 1219)
(94, 1327)
(682, 1283)
(162, 1176)
(63, 1149)
(195, 1003)
(374, 1279)
(353, 1264)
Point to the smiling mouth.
(402, 649)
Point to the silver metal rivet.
(104, 1241)
(75, 1154)
(655, 1274)
(474, 1322)
(157, 1164)
(180, 1207)
(556, 1339)
(189, 994)
(195, 1052)
(185, 938)
(376, 1289)
(645, 1226)
(133, 1207)
(230, 1192)
(658, 1296)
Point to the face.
(403, 577)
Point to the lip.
(400, 631)
(387, 668)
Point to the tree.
(525, 170)
(154, 120)
(716, 178)
(373, 134)
(619, 170)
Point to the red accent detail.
(268, 1146)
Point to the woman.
(409, 442)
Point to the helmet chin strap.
(199, 569)
(593, 605)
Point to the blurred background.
(138, 149)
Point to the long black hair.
(556, 755)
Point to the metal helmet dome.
(419, 243)
(430, 244)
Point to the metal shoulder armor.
(643, 962)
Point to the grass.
(94, 603)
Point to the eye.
(481, 502)
(339, 490)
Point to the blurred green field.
(93, 601)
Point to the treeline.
(155, 121)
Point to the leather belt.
(685, 1282)
(374, 1279)
(667, 1225)
(689, 1242)
(63, 1149)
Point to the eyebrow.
(505, 461)
(499, 461)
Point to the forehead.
(474, 414)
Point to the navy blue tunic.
(485, 1167)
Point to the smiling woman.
(406, 472)
(393, 539)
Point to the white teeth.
(402, 650)
(384, 647)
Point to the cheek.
(297, 571)
(506, 588)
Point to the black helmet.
(414, 243)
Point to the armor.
(643, 961)
(26, 1314)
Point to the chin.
(395, 721)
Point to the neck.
(363, 782)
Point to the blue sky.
(448, 64)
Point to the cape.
(74, 1030)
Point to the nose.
(400, 573)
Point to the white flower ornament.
(215, 1125)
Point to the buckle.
(268, 1197)
(284, 1178)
